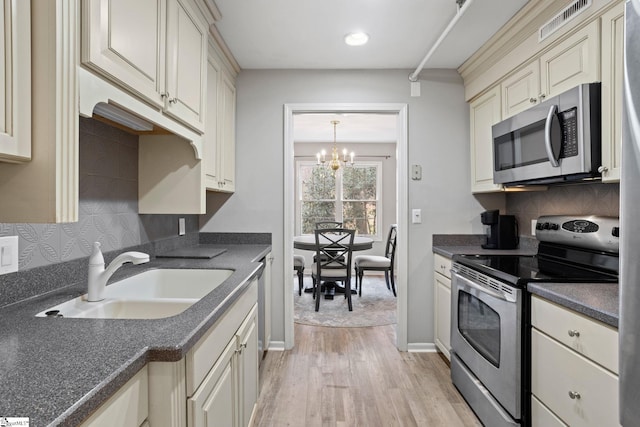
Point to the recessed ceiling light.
(356, 39)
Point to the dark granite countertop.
(56, 371)
(596, 300)
(450, 251)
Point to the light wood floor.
(356, 377)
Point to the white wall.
(438, 141)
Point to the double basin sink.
(152, 294)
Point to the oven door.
(486, 318)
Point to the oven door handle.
(499, 295)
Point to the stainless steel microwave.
(558, 140)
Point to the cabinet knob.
(542, 96)
(533, 100)
(574, 395)
(602, 169)
(573, 333)
(173, 100)
(165, 95)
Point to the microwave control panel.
(569, 120)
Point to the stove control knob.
(554, 226)
(615, 232)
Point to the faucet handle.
(137, 257)
(96, 257)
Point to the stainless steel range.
(489, 315)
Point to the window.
(351, 195)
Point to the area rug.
(376, 306)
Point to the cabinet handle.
(165, 95)
(173, 100)
(542, 96)
(602, 169)
(573, 333)
(533, 100)
(574, 395)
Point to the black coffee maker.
(501, 230)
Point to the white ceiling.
(308, 34)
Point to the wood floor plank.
(337, 377)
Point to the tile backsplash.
(108, 205)
(573, 199)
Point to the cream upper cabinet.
(15, 81)
(612, 77)
(227, 134)
(219, 152)
(573, 61)
(210, 154)
(520, 90)
(45, 189)
(442, 302)
(484, 113)
(156, 49)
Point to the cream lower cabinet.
(612, 23)
(484, 112)
(15, 81)
(229, 392)
(216, 384)
(442, 304)
(574, 366)
(156, 49)
(128, 407)
(219, 149)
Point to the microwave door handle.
(547, 135)
(471, 284)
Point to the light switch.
(416, 216)
(8, 254)
(416, 172)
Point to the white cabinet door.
(247, 368)
(186, 64)
(612, 75)
(214, 403)
(15, 81)
(442, 301)
(484, 113)
(573, 61)
(123, 39)
(227, 133)
(210, 155)
(520, 90)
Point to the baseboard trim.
(427, 347)
(276, 346)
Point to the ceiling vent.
(562, 18)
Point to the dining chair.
(334, 247)
(379, 263)
(298, 266)
(320, 225)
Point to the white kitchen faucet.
(98, 275)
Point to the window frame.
(339, 195)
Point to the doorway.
(399, 111)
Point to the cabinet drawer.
(595, 340)
(557, 371)
(442, 265)
(204, 354)
(541, 416)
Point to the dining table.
(307, 242)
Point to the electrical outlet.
(181, 227)
(533, 226)
(8, 254)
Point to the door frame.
(402, 213)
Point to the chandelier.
(334, 162)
